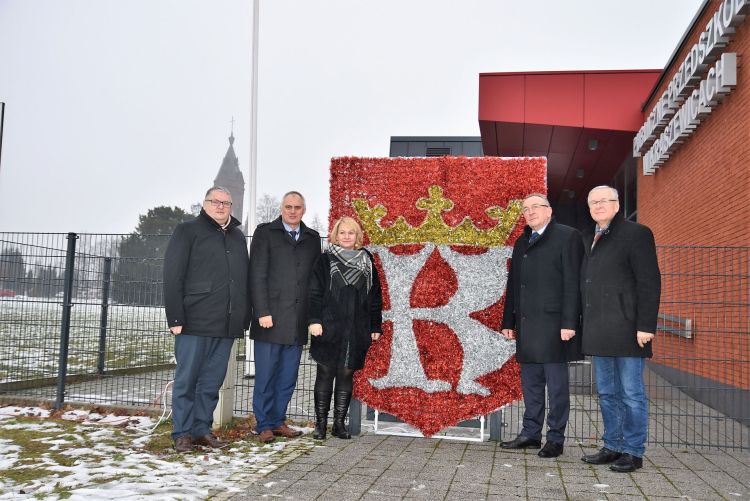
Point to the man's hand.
(266, 322)
(566, 334)
(177, 329)
(644, 337)
(509, 334)
(315, 329)
(375, 336)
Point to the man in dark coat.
(620, 288)
(542, 313)
(206, 303)
(282, 254)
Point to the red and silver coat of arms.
(442, 231)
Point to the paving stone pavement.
(383, 467)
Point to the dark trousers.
(276, 367)
(201, 367)
(534, 378)
(326, 374)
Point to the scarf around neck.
(350, 267)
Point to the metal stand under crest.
(402, 432)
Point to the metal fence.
(81, 320)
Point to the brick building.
(676, 144)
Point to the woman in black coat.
(345, 316)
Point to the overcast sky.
(117, 106)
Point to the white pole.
(253, 177)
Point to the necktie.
(293, 233)
(597, 236)
(533, 237)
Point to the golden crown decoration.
(434, 229)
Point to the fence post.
(225, 406)
(62, 365)
(496, 424)
(355, 417)
(104, 315)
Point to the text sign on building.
(715, 37)
(719, 82)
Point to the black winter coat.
(206, 278)
(542, 295)
(620, 289)
(279, 273)
(348, 316)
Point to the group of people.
(570, 295)
(283, 291)
(567, 295)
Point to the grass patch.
(28, 474)
(33, 449)
(61, 492)
(161, 439)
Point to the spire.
(230, 176)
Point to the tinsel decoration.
(442, 231)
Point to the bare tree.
(317, 225)
(268, 208)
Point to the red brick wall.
(701, 197)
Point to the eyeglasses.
(597, 203)
(217, 203)
(534, 207)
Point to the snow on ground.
(103, 458)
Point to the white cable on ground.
(164, 414)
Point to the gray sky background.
(114, 107)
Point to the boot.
(340, 407)
(322, 403)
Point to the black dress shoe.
(210, 440)
(627, 463)
(183, 443)
(550, 450)
(521, 442)
(604, 456)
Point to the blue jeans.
(622, 399)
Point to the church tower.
(230, 177)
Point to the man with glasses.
(282, 254)
(620, 289)
(205, 300)
(542, 313)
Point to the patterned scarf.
(350, 267)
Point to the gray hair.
(543, 197)
(304, 204)
(613, 192)
(217, 188)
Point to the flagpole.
(253, 177)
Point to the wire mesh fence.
(94, 332)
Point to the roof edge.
(568, 72)
(676, 51)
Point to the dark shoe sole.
(527, 445)
(627, 469)
(598, 462)
(548, 454)
(222, 445)
(590, 459)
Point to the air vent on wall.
(438, 152)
